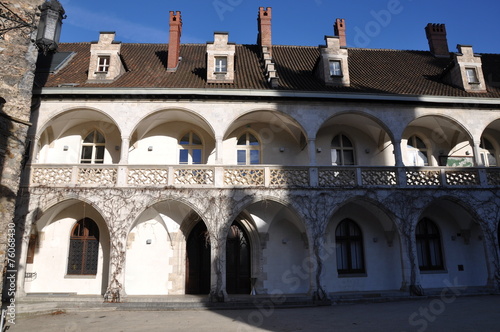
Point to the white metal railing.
(84, 175)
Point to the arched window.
(93, 148)
(248, 150)
(84, 248)
(488, 155)
(417, 152)
(429, 252)
(342, 151)
(191, 149)
(349, 244)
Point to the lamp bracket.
(9, 20)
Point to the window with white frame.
(417, 151)
(93, 147)
(103, 63)
(430, 256)
(335, 68)
(488, 154)
(248, 150)
(220, 64)
(471, 75)
(191, 149)
(342, 151)
(349, 244)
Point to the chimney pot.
(264, 22)
(436, 36)
(339, 29)
(174, 42)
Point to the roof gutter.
(265, 94)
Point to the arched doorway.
(238, 269)
(198, 260)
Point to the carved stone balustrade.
(220, 176)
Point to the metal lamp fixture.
(49, 28)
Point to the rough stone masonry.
(17, 65)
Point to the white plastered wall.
(51, 258)
(382, 259)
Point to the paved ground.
(475, 313)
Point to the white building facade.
(238, 169)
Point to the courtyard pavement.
(440, 314)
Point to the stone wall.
(17, 63)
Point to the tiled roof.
(371, 70)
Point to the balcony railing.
(260, 176)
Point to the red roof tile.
(371, 70)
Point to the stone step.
(43, 304)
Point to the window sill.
(353, 275)
(474, 83)
(80, 276)
(335, 76)
(433, 271)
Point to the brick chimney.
(436, 36)
(174, 43)
(264, 22)
(339, 29)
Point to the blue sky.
(392, 24)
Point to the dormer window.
(221, 64)
(220, 59)
(103, 64)
(335, 68)
(471, 76)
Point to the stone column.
(398, 155)
(312, 151)
(477, 154)
(219, 150)
(124, 150)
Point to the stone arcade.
(224, 169)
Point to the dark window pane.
(183, 156)
(86, 153)
(99, 154)
(196, 156)
(348, 157)
(252, 140)
(242, 140)
(99, 138)
(346, 142)
(89, 138)
(242, 158)
(185, 139)
(336, 142)
(420, 143)
(196, 140)
(254, 157)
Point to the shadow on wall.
(5, 135)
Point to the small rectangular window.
(335, 68)
(103, 64)
(471, 75)
(221, 64)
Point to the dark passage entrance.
(237, 261)
(198, 261)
